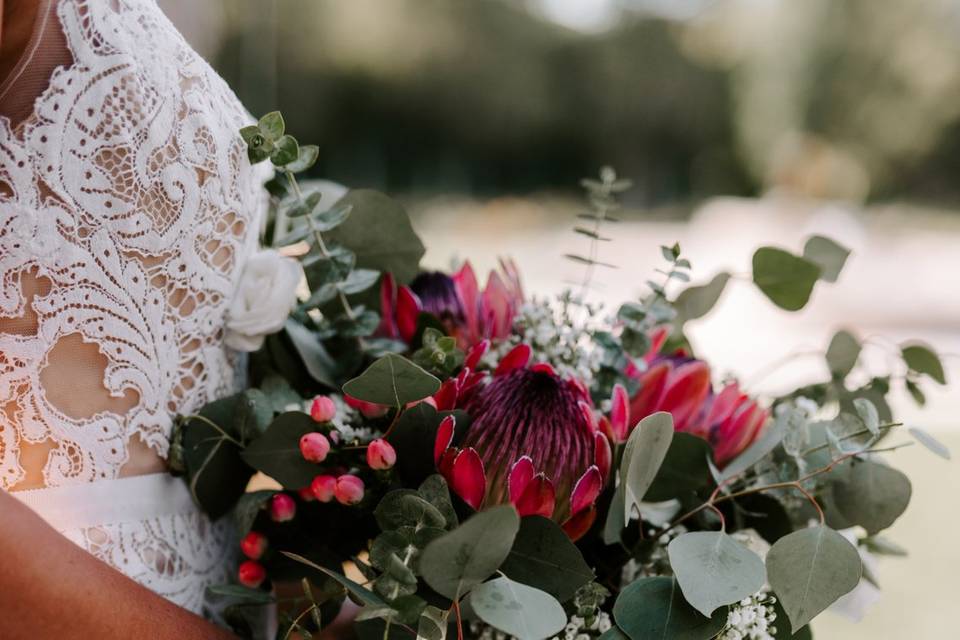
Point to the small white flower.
(265, 296)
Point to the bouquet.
(460, 459)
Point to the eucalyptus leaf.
(379, 232)
(393, 381)
(318, 362)
(249, 507)
(784, 278)
(544, 557)
(923, 359)
(277, 452)
(829, 255)
(811, 569)
(869, 494)
(360, 592)
(285, 151)
(684, 470)
(868, 414)
(516, 609)
(404, 507)
(460, 560)
(433, 624)
(842, 354)
(697, 301)
(306, 158)
(653, 608)
(643, 456)
(359, 280)
(930, 443)
(713, 570)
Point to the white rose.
(265, 296)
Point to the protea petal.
(465, 281)
(620, 412)
(498, 306)
(602, 453)
(408, 310)
(444, 438)
(544, 367)
(586, 490)
(538, 498)
(652, 385)
(579, 524)
(521, 473)
(446, 398)
(388, 301)
(687, 388)
(588, 414)
(445, 465)
(476, 352)
(517, 358)
(467, 478)
(657, 338)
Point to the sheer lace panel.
(127, 208)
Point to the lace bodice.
(127, 208)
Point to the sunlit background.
(741, 122)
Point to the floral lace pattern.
(127, 210)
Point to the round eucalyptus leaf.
(828, 254)
(460, 560)
(543, 557)
(517, 609)
(645, 451)
(404, 507)
(714, 570)
(923, 359)
(842, 354)
(393, 381)
(684, 469)
(784, 278)
(811, 569)
(930, 443)
(696, 302)
(870, 494)
(654, 609)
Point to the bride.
(127, 211)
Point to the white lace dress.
(127, 210)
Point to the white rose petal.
(265, 296)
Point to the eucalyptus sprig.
(602, 196)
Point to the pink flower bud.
(306, 494)
(253, 545)
(323, 488)
(314, 447)
(282, 508)
(349, 489)
(323, 409)
(251, 574)
(381, 454)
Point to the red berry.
(282, 508)
(381, 454)
(349, 489)
(323, 488)
(314, 447)
(323, 409)
(253, 545)
(251, 574)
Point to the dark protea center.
(438, 296)
(531, 412)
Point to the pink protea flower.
(533, 442)
(467, 313)
(729, 420)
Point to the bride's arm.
(51, 588)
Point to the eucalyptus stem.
(321, 245)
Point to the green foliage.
(654, 608)
(869, 494)
(393, 381)
(462, 559)
(930, 443)
(921, 359)
(277, 452)
(602, 196)
(697, 301)
(810, 569)
(378, 231)
(439, 353)
(517, 609)
(784, 278)
(543, 557)
(647, 447)
(713, 570)
(842, 354)
(685, 469)
(827, 254)
(249, 507)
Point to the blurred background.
(741, 122)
